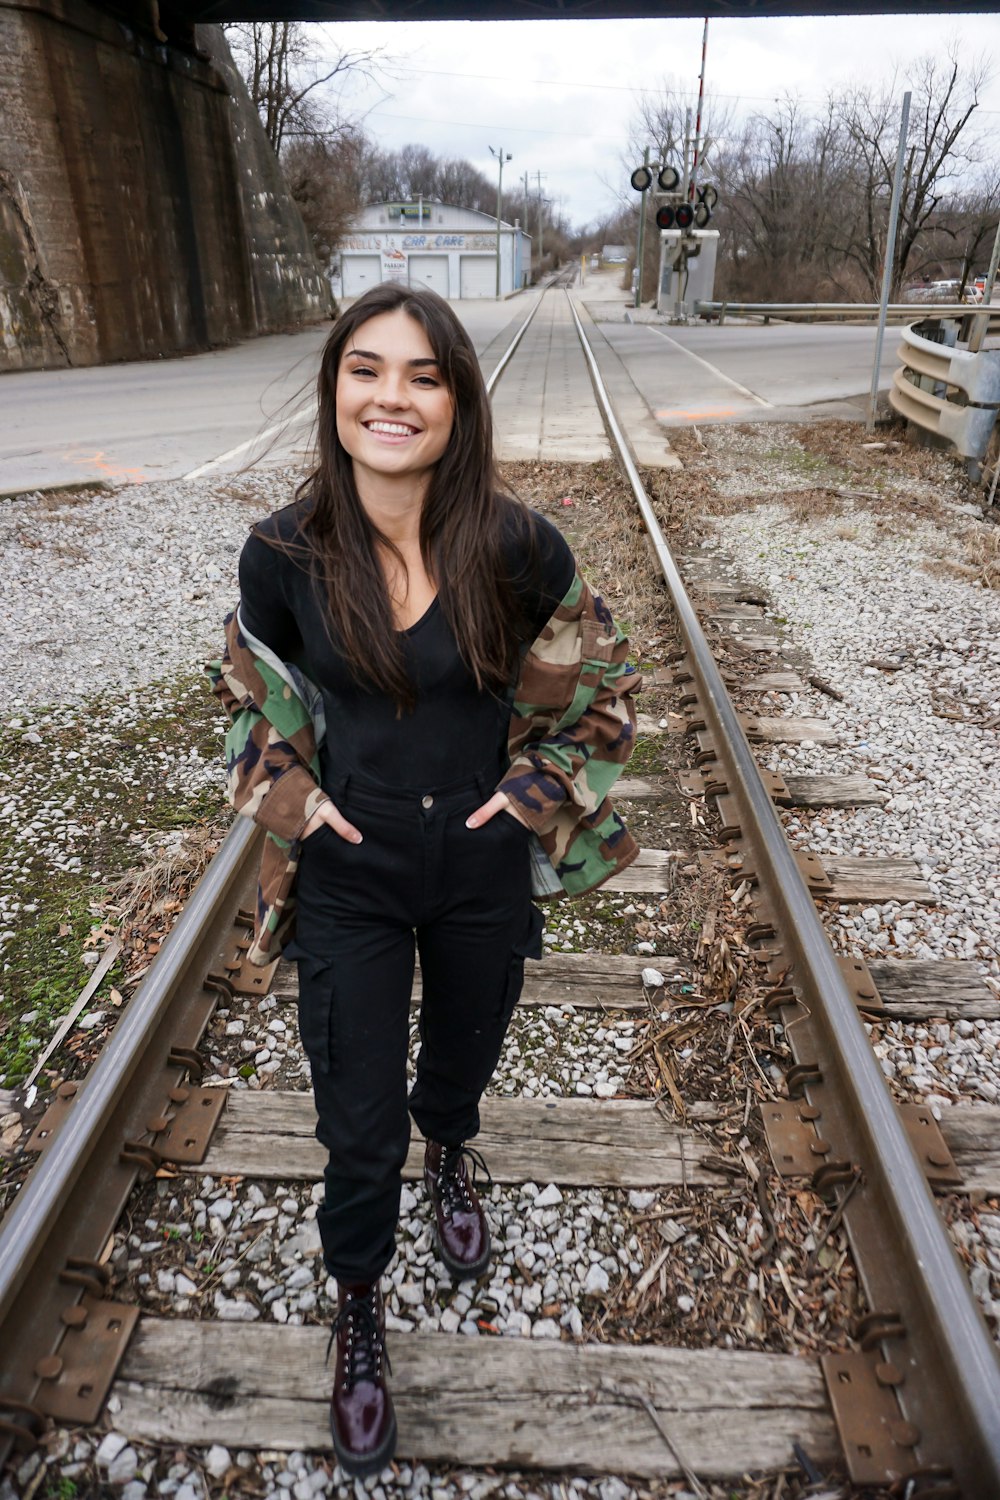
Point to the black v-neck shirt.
(455, 731)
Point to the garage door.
(479, 276)
(430, 270)
(361, 272)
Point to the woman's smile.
(390, 429)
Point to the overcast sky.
(560, 95)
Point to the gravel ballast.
(559, 1252)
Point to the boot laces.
(364, 1342)
(453, 1178)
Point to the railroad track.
(913, 1395)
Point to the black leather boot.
(362, 1419)
(463, 1235)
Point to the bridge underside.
(541, 10)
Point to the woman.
(429, 707)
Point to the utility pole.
(501, 157)
(541, 247)
(642, 235)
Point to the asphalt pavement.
(255, 402)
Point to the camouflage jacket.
(572, 729)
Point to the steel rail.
(909, 1267)
(508, 353)
(64, 1207)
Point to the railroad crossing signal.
(678, 212)
(685, 209)
(681, 217)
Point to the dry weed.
(805, 506)
(982, 548)
(142, 893)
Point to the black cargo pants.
(461, 897)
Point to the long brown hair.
(461, 521)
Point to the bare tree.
(277, 61)
(325, 177)
(966, 225)
(941, 147)
(413, 171)
(780, 184)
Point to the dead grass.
(808, 505)
(153, 890)
(595, 510)
(982, 547)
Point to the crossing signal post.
(681, 216)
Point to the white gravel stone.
(123, 1467)
(217, 1460)
(236, 1312)
(596, 1282)
(545, 1328)
(110, 1447)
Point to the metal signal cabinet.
(676, 295)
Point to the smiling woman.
(429, 708)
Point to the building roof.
(405, 217)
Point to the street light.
(501, 158)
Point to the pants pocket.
(316, 1018)
(528, 946)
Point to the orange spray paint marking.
(108, 468)
(696, 416)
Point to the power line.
(487, 125)
(618, 88)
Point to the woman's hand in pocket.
(499, 802)
(328, 814)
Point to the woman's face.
(394, 412)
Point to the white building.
(452, 250)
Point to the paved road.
(220, 411)
(751, 372)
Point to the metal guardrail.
(854, 312)
(929, 369)
(949, 1375)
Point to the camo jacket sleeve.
(573, 721)
(271, 761)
